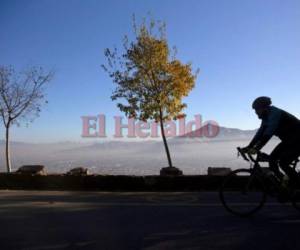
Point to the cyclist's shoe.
(285, 182)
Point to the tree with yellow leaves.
(149, 78)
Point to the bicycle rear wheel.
(242, 192)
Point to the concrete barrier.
(218, 171)
(32, 170)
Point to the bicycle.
(244, 191)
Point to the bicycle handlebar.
(261, 157)
(247, 156)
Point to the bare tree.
(21, 98)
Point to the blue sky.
(244, 49)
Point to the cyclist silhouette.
(282, 124)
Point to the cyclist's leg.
(289, 154)
(274, 160)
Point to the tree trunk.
(164, 138)
(7, 150)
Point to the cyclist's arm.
(270, 127)
(262, 142)
(257, 136)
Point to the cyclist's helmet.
(261, 102)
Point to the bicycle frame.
(257, 170)
(260, 155)
(254, 163)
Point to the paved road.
(39, 220)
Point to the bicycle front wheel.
(242, 192)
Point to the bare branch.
(21, 96)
